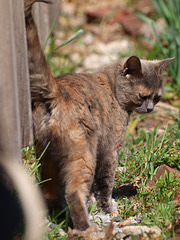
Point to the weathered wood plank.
(44, 16)
(10, 137)
(22, 73)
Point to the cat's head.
(143, 83)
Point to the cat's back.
(84, 98)
(84, 84)
(83, 89)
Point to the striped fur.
(84, 118)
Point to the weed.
(157, 206)
(141, 156)
(92, 207)
(147, 152)
(169, 41)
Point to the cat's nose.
(150, 106)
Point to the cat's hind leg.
(79, 176)
(104, 180)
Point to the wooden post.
(10, 135)
(22, 73)
(13, 61)
(15, 111)
(44, 16)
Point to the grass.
(60, 63)
(141, 156)
(167, 43)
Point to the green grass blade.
(178, 118)
(143, 17)
(79, 32)
(44, 151)
(52, 27)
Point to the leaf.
(143, 17)
(52, 26)
(79, 32)
(178, 118)
(92, 207)
(44, 151)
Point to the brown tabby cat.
(84, 118)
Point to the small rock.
(138, 219)
(90, 233)
(62, 232)
(118, 219)
(121, 169)
(115, 213)
(143, 232)
(88, 38)
(129, 221)
(51, 225)
(113, 48)
(95, 61)
(117, 230)
(76, 58)
(100, 219)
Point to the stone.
(90, 233)
(129, 221)
(118, 219)
(101, 219)
(95, 61)
(53, 225)
(161, 171)
(143, 232)
(88, 38)
(121, 169)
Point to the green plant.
(75, 35)
(157, 205)
(92, 207)
(168, 42)
(32, 164)
(61, 63)
(127, 207)
(141, 156)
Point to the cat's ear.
(162, 64)
(132, 67)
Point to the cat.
(84, 118)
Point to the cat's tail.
(43, 84)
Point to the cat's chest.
(120, 121)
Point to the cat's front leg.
(78, 181)
(104, 179)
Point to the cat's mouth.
(143, 111)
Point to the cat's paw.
(114, 205)
(91, 200)
(108, 206)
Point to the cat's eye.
(157, 98)
(144, 97)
